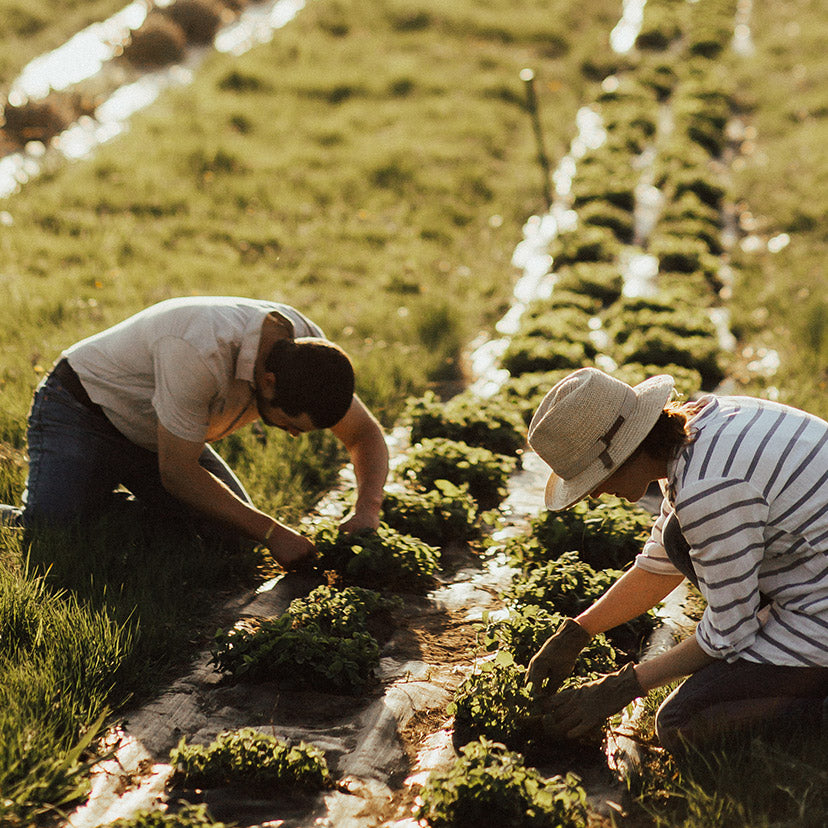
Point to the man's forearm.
(202, 491)
(370, 461)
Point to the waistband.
(65, 374)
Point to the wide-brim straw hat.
(588, 424)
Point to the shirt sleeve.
(653, 557)
(184, 388)
(724, 520)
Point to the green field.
(373, 166)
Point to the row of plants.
(330, 640)
(567, 560)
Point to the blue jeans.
(77, 459)
(739, 696)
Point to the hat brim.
(651, 397)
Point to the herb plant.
(385, 558)
(490, 785)
(467, 418)
(438, 516)
(485, 472)
(296, 657)
(606, 533)
(251, 759)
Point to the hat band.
(604, 456)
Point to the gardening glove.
(556, 658)
(578, 710)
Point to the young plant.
(468, 419)
(322, 639)
(252, 760)
(296, 657)
(484, 472)
(493, 702)
(385, 558)
(341, 612)
(566, 585)
(524, 631)
(490, 785)
(438, 516)
(606, 533)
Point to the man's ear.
(267, 385)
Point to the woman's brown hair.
(670, 432)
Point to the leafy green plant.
(252, 760)
(385, 558)
(437, 516)
(600, 280)
(525, 354)
(468, 419)
(566, 585)
(524, 631)
(494, 702)
(190, 816)
(322, 640)
(490, 785)
(296, 657)
(484, 472)
(605, 533)
(659, 346)
(341, 611)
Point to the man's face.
(274, 417)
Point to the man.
(744, 516)
(138, 404)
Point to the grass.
(780, 300)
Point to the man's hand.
(555, 660)
(578, 710)
(290, 549)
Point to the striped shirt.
(751, 495)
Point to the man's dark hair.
(313, 377)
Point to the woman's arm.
(635, 592)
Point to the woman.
(744, 516)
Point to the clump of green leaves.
(437, 516)
(297, 657)
(485, 472)
(251, 759)
(490, 785)
(467, 418)
(524, 630)
(493, 702)
(385, 558)
(321, 641)
(606, 533)
(566, 585)
(190, 816)
(340, 611)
